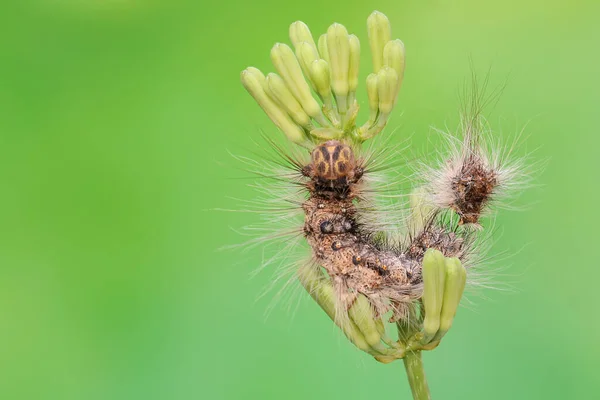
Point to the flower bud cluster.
(312, 97)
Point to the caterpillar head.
(333, 165)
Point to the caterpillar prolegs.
(360, 275)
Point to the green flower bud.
(306, 53)
(394, 56)
(285, 98)
(323, 52)
(387, 81)
(354, 63)
(286, 64)
(369, 129)
(254, 81)
(361, 322)
(256, 74)
(319, 74)
(323, 293)
(364, 318)
(380, 33)
(434, 276)
(456, 278)
(299, 33)
(373, 94)
(338, 46)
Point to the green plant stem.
(413, 363)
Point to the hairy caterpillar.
(357, 272)
(355, 260)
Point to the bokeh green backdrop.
(116, 118)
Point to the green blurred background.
(116, 122)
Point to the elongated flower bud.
(362, 315)
(299, 33)
(456, 278)
(287, 65)
(323, 293)
(387, 81)
(255, 73)
(323, 52)
(394, 56)
(306, 53)
(285, 98)
(319, 73)
(338, 46)
(254, 81)
(320, 76)
(354, 63)
(373, 94)
(380, 33)
(434, 276)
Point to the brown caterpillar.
(354, 259)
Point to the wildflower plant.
(365, 278)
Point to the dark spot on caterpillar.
(348, 227)
(383, 270)
(336, 152)
(336, 245)
(326, 154)
(341, 166)
(356, 260)
(338, 225)
(358, 172)
(322, 168)
(378, 267)
(326, 227)
(346, 154)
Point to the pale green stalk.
(413, 363)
